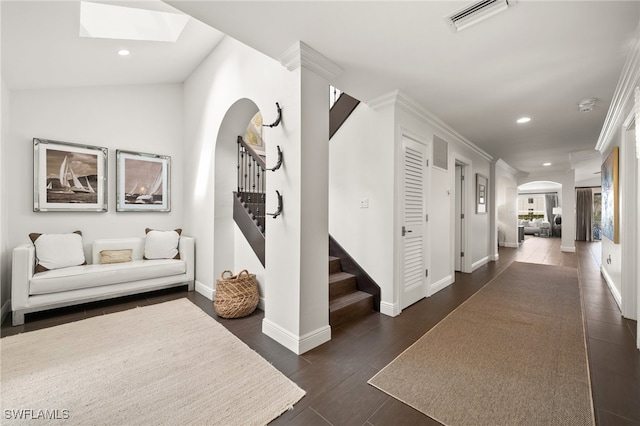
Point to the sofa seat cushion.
(85, 276)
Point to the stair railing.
(251, 179)
(251, 169)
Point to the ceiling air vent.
(476, 12)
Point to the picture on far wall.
(142, 182)
(69, 177)
(253, 134)
(481, 193)
(610, 198)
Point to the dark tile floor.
(335, 374)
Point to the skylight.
(127, 23)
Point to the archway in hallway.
(540, 209)
(233, 125)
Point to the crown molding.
(381, 102)
(300, 55)
(506, 167)
(402, 101)
(624, 91)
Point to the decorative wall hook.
(275, 123)
(279, 212)
(279, 163)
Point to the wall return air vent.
(476, 12)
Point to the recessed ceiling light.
(546, 164)
(523, 120)
(123, 52)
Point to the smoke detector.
(587, 105)
(476, 12)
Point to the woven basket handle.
(244, 271)
(227, 272)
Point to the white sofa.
(535, 226)
(33, 292)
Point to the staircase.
(346, 302)
(248, 213)
(341, 109)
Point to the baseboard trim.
(568, 249)
(494, 257)
(441, 284)
(204, 290)
(5, 310)
(612, 288)
(390, 309)
(296, 344)
(480, 263)
(512, 245)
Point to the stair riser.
(338, 288)
(351, 312)
(334, 266)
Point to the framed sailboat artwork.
(69, 177)
(142, 182)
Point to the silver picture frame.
(69, 177)
(482, 192)
(142, 182)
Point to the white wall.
(137, 118)
(296, 274)
(567, 197)
(5, 247)
(356, 172)
(506, 201)
(620, 261)
(371, 235)
(441, 204)
(612, 252)
(245, 258)
(232, 72)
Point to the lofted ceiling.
(536, 59)
(41, 48)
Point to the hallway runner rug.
(512, 354)
(164, 364)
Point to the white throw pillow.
(162, 244)
(55, 251)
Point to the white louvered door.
(414, 221)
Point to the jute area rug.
(512, 354)
(168, 363)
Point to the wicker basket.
(236, 295)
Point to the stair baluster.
(252, 183)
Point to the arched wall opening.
(566, 198)
(537, 191)
(233, 125)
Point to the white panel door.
(414, 222)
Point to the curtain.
(584, 213)
(550, 201)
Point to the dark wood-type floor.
(335, 374)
